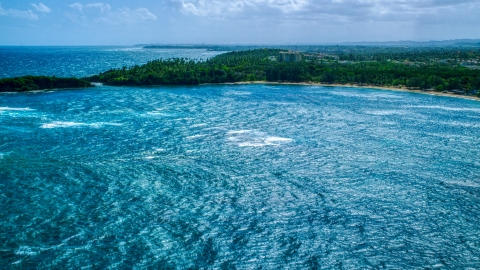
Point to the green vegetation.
(228, 67)
(433, 69)
(434, 72)
(29, 83)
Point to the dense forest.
(436, 69)
(414, 70)
(29, 83)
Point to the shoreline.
(386, 88)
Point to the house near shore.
(290, 56)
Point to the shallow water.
(239, 176)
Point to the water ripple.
(239, 176)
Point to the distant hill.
(432, 43)
(314, 47)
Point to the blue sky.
(121, 22)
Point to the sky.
(121, 22)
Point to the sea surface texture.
(239, 177)
(83, 61)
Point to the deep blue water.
(82, 61)
(239, 176)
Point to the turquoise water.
(239, 176)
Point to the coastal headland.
(443, 72)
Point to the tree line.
(29, 83)
(261, 65)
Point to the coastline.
(387, 88)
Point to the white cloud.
(100, 12)
(345, 10)
(225, 8)
(41, 7)
(103, 7)
(23, 14)
(77, 6)
(125, 15)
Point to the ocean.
(231, 176)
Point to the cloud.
(23, 14)
(100, 12)
(77, 6)
(101, 6)
(41, 7)
(340, 10)
(232, 7)
(125, 15)
(387, 10)
(137, 15)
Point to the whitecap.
(26, 250)
(238, 131)
(16, 109)
(367, 95)
(238, 93)
(57, 124)
(277, 139)
(198, 125)
(195, 136)
(61, 124)
(251, 144)
(447, 108)
(461, 124)
(158, 113)
(100, 124)
(466, 183)
(386, 112)
(248, 138)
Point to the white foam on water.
(460, 124)
(238, 93)
(386, 112)
(248, 138)
(466, 183)
(100, 124)
(447, 108)
(251, 144)
(238, 131)
(15, 109)
(195, 136)
(158, 113)
(198, 125)
(367, 95)
(26, 250)
(61, 124)
(277, 139)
